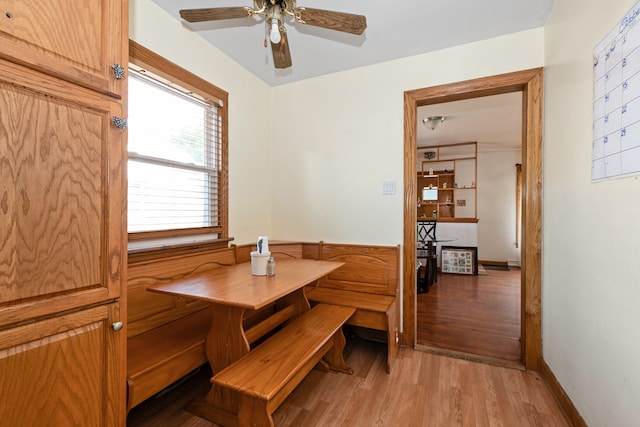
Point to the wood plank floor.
(424, 389)
(478, 315)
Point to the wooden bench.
(163, 355)
(368, 282)
(165, 335)
(264, 377)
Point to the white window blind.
(174, 157)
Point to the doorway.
(475, 316)
(529, 82)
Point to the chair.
(426, 231)
(426, 236)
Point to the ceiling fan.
(274, 11)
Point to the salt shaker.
(271, 267)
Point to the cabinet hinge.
(118, 71)
(119, 122)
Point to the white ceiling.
(494, 122)
(395, 29)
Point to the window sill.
(145, 250)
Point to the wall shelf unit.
(436, 195)
(447, 180)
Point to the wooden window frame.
(143, 57)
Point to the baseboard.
(500, 263)
(567, 406)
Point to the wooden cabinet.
(62, 371)
(76, 40)
(61, 189)
(62, 213)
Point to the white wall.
(342, 136)
(497, 206)
(591, 273)
(249, 128)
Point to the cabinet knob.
(116, 326)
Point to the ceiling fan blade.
(281, 54)
(214, 14)
(339, 21)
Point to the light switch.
(388, 187)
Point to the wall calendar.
(616, 100)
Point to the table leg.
(432, 264)
(225, 344)
(298, 300)
(434, 255)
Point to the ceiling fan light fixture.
(274, 17)
(432, 122)
(274, 34)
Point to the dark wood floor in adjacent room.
(424, 389)
(477, 315)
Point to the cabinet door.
(77, 40)
(61, 196)
(64, 371)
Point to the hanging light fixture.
(433, 121)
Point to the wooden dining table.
(233, 293)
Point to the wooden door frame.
(529, 82)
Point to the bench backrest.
(369, 269)
(281, 250)
(149, 310)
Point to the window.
(177, 173)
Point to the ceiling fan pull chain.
(266, 32)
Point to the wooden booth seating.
(280, 250)
(368, 282)
(264, 377)
(166, 335)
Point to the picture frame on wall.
(459, 260)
